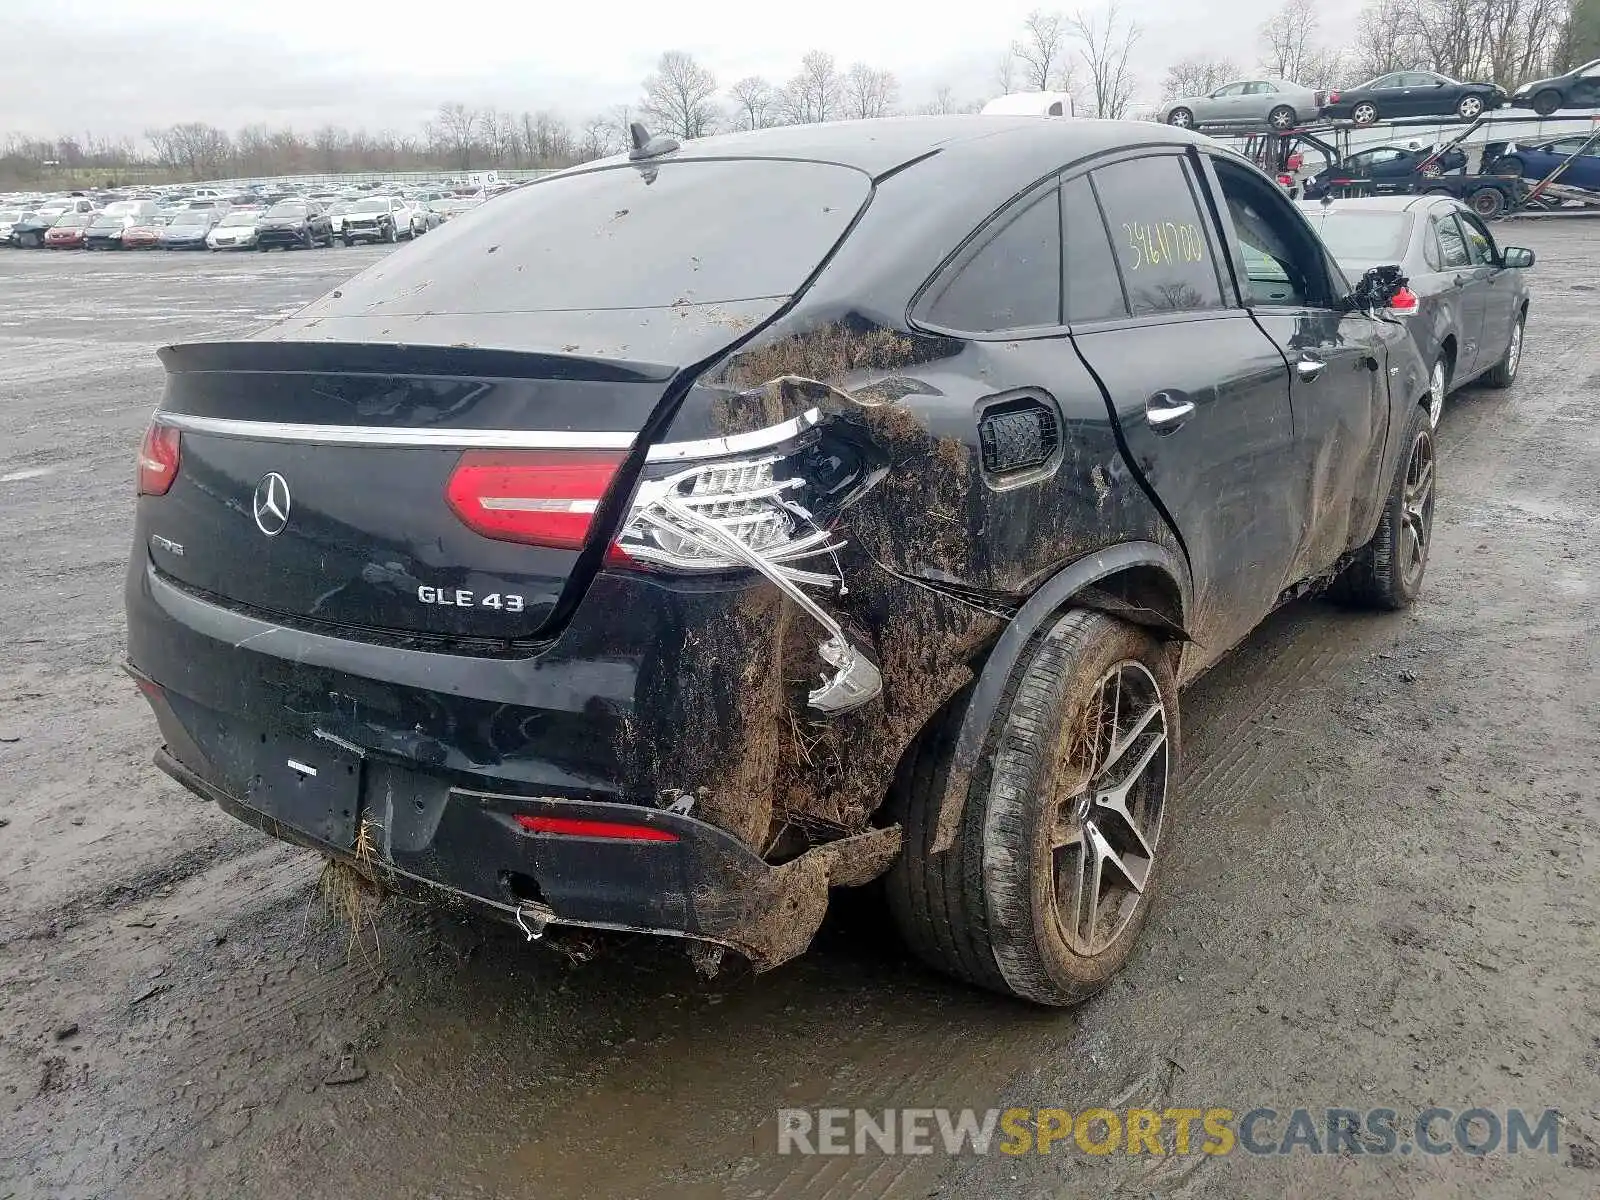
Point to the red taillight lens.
(540, 497)
(1405, 300)
(158, 460)
(619, 831)
(1333, 97)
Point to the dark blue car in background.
(1536, 162)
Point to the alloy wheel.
(1418, 515)
(1470, 108)
(1281, 118)
(1514, 352)
(1105, 833)
(1364, 114)
(1436, 386)
(1181, 119)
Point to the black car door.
(1199, 393)
(1338, 366)
(1430, 95)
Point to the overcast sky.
(111, 66)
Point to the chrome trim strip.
(490, 439)
(371, 435)
(739, 443)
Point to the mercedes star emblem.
(272, 504)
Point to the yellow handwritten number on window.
(1161, 242)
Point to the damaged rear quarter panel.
(938, 555)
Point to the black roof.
(881, 145)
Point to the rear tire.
(1547, 102)
(1068, 809)
(1281, 117)
(1504, 373)
(1365, 113)
(1388, 571)
(1487, 202)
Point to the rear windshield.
(683, 233)
(1366, 236)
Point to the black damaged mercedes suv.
(690, 532)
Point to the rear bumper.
(425, 838)
(623, 719)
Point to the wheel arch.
(1141, 582)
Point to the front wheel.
(1470, 108)
(1387, 572)
(1547, 102)
(1365, 113)
(1504, 373)
(1053, 870)
(1181, 117)
(389, 234)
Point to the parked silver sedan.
(1467, 301)
(1275, 103)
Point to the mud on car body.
(695, 531)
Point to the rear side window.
(1093, 287)
(1162, 247)
(1009, 278)
(678, 233)
(1452, 243)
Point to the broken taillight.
(1405, 300)
(538, 497)
(158, 459)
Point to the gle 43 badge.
(463, 598)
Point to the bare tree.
(1005, 73)
(815, 94)
(193, 149)
(453, 131)
(1106, 43)
(868, 92)
(1197, 76)
(1385, 39)
(597, 137)
(1042, 53)
(752, 100)
(1582, 43)
(1289, 39)
(943, 102)
(680, 96)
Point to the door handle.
(1310, 368)
(1164, 412)
(1463, 280)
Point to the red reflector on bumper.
(615, 830)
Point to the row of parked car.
(1282, 104)
(212, 222)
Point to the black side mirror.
(1516, 257)
(1377, 288)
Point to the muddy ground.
(1381, 888)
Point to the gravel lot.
(1382, 889)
